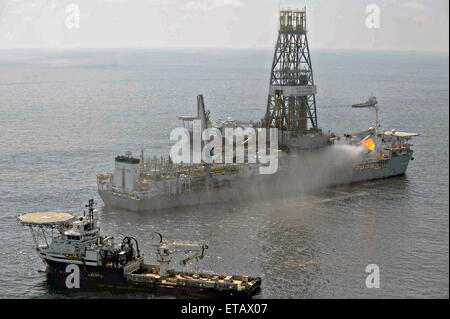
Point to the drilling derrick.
(291, 105)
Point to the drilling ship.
(142, 184)
(79, 256)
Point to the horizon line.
(214, 48)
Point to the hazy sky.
(404, 24)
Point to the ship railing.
(133, 266)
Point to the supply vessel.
(79, 256)
(142, 184)
(372, 101)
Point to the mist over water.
(303, 173)
(64, 117)
(317, 170)
(298, 174)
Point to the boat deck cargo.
(194, 284)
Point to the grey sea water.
(64, 115)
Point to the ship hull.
(395, 166)
(364, 105)
(192, 198)
(251, 188)
(112, 280)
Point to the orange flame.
(369, 143)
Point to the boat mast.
(377, 121)
(90, 207)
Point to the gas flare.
(369, 143)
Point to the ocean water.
(64, 115)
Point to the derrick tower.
(291, 104)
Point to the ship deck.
(150, 274)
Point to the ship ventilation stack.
(291, 104)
